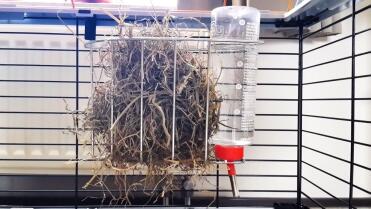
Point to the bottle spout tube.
(230, 154)
(232, 178)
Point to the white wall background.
(53, 119)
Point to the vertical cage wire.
(92, 97)
(174, 103)
(207, 99)
(112, 93)
(77, 107)
(141, 97)
(299, 119)
(352, 108)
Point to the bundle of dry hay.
(122, 61)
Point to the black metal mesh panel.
(335, 105)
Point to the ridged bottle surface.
(234, 66)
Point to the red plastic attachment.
(231, 169)
(229, 153)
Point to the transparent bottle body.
(234, 67)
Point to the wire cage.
(312, 140)
(193, 82)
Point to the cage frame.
(302, 198)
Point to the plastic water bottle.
(234, 66)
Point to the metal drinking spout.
(230, 154)
(232, 178)
(235, 191)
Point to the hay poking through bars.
(128, 63)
